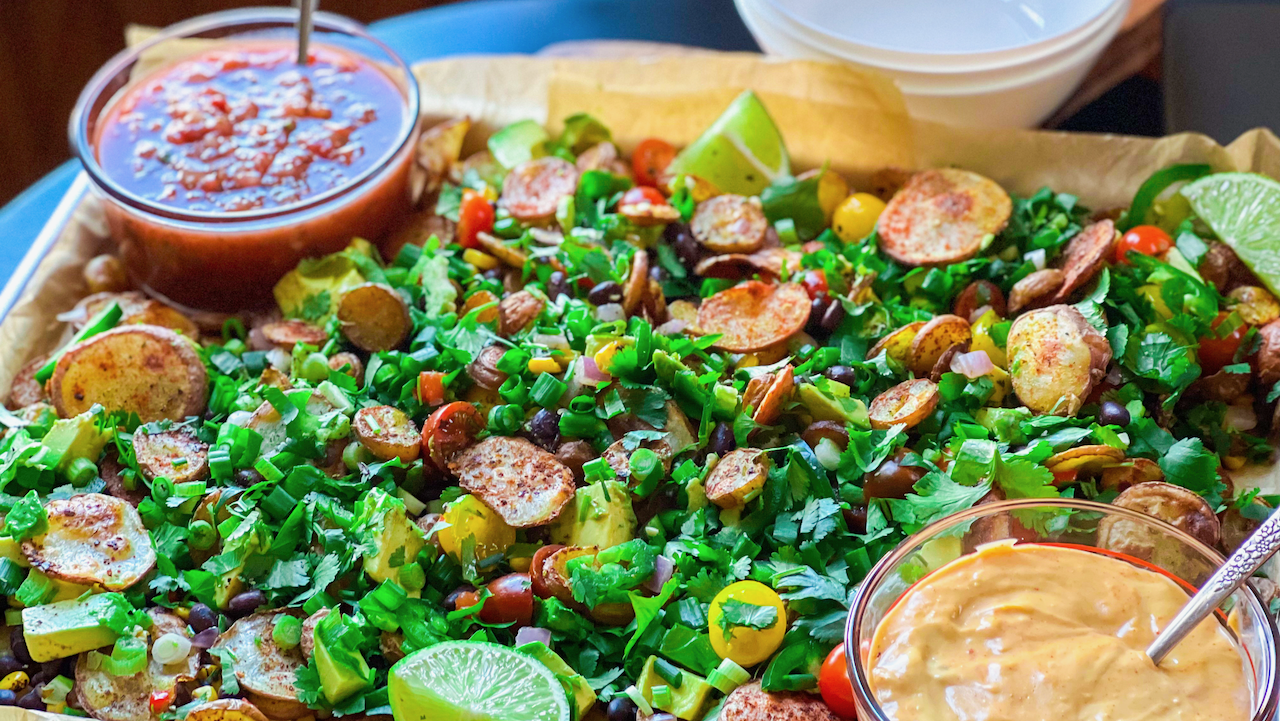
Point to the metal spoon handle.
(306, 8)
(1242, 564)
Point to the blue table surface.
(476, 27)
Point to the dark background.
(50, 48)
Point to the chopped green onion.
(278, 504)
(583, 404)
(161, 489)
(390, 594)
(268, 470)
(287, 632)
(642, 703)
(661, 696)
(668, 672)
(514, 390)
(317, 602)
(506, 419)
(170, 648)
(37, 589)
(190, 489)
(547, 390)
(105, 320)
(81, 471)
(786, 228)
(128, 657)
(413, 577)
(11, 577)
(580, 425)
(513, 362)
(56, 691)
(202, 535)
(645, 466)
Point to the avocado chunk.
(600, 516)
(244, 541)
(312, 290)
(75, 437)
(520, 141)
(687, 699)
(342, 670)
(12, 550)
(395, 540)
(65, 628)
(833, 404)
(39, 588)
(573, 682)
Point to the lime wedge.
(742, 152)
(472, 681)
(1244, 210)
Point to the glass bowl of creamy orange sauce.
(1039, 610)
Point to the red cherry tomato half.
(475, 216)
(815, 283)
(160, 701)
(650, 159)
(540, 587)
(1144, 239)
(1217, 353)
(834, 683)
(511, 602)
(449, 430)
(642, 194)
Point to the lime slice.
(1244, 210)
(742, 152)
(472, 681)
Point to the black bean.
(544, 428)
(18, 643)
(721, 440)
(557, 285)
(493, 274)
(833, 317)
(202, 617)
(687, 248)
(1113, 414)
(817, 309)
(606, 292)
(49, 670)
(621, 708)
(842, 374)
(450, 603)
(856, 519)
(7, 697)
(243, 604)
(31, 699)
(9, 664)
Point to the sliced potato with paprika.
(1084, 256)
(25, 389)
(176, 454)
(906, 404)
(374, 317)
(226, 709)
(750, 702)
(517, 311)
(1055, 358)
(141, 369)
(553, 574)
(288, 333)
(1175, 505)
(108, 697)
(524, 484)
(730, 224)
(934, 338)
(637, 287)
(942, 216)
(738, 477)
(773, 395)
(1036, 289)
(267, 674)
(388, 433)
(898, 343)
(754, 315)
(93, 538)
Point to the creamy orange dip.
(1043, 633)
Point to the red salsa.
(245, 128)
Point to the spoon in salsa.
(1242, 564)
(306, 8)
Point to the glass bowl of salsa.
(221, 161)
(1022, 608)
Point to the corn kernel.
(604, 356)
(747, 360)
(204, 694)
(15, 681)
(520, 565)
(490, 193)
(1233, 463)
(182, 612)
(543, 365)
(481, 260)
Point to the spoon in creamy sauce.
(1242, 564)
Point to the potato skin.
(754, 315)
(907, 404)
(93, 538)
(942, 216)
(127, 698)
(226, 709)
(25, 390)
(156, 453)
(934, 338)
(737, 476)
(266, 672)
(524, 484)
(374, 317)
(1055, 357)
(1267, 362)
(729, 224)
(146, 369)
(388, 433)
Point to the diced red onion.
(610, 312)
(662, 570)
(1036, 257)
(978, 313)
(1240, 418)
(671, 327)
(590, 374)
(206, 638)
(973, 364)
(530, 634)
(1114, 376)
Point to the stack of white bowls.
(982, 63)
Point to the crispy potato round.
(502, 250)
(153, 312)
(980, 294)
(1036, 289)
(942, 216)
(348, 363)
(524, 484)
(738, 477)
(93, 538)
(1255, 305)
(25, 389)
(637, 286)
(105, 274)
(111, 472)
(484, 369)
(1175, 505)
(1085, 459)
(308, 641)
(754, 315)
(438, 151)
(374, 317)
(898, 343)
(1055, 357)
(776, 394)
(1221, 386)
(767, 262)
(943, 365)
(1267, 361)
(730, 224)
(143, 369)
(603, 156)
(933, 339)
(226, 709)
(388, 433)
(1084, 256)
(906, 404)
(176, 454)
(555, 572)
(1131, 473)
(533, 189)
(267, 673)
(517, 311)
(108, 697)
(288, 333)
(749, 702)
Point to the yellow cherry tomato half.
(467, 517)
(743, 644)
(856, 217)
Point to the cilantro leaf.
(27, 518)
(735, 614)
(1188, 464)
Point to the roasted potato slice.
(555, 573)
(105, 274)
(933, 339)
(288, 333)
(738, 477)
(637, 286)
(226, 709)
(730, 224)
(308, 641)
(1255, 305)
(768, 262)
(754, 315)
(1221, 386)
(25, 389)
(1055, 357)
(1085, 459)
(1267, 361)
(906, 404)
(898, 343)
(517, 311)
(93, 538)
(348, 363)
(374, 317)
(524, 484)
(1084, 256)
(128, 698)
(111, 472)
(1131, 473)
(484, 369)
(1236, 527)
(942, 216)
(603, 156)
(1175, 505)
(943, 365)
(773, 396)
(153, 312)
(388, 433)
(533, 189)
(267, 673)
(176, 454)
(143, 369)
(749, 702)
(980, 294)
(439, 148)
(1036, 289)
